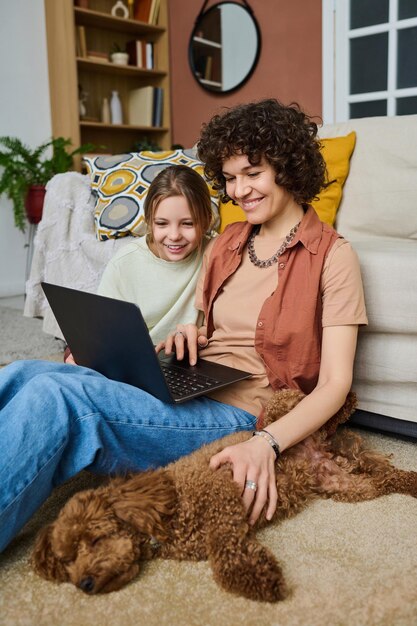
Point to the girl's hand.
(253, 461)
(186, 336)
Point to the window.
(369, 58)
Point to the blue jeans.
(57, 419)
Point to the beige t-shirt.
(237, 308)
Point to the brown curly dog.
(187, 511)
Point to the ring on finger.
(179, 332)
(250, 484)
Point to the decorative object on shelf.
(131, 8)
(105, 111)
(82, 100)
(82, 109)
(24, 168)
(120, 7)
(116, 108)
(119, 56)
(224, 47)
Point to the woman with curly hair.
(282, 298)
(281, 293)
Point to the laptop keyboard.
(183, 383)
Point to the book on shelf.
(158, 106)
(154, 12)
(135, 50)
(145, 106)
(81, 43)
(208, 70)
(140, 106)
(143, 10)
(98, 57)
(148, 11)
(77, 44)
(149, 55)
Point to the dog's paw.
(405, 482)
(265, 584)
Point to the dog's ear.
(44, 561)
(329, 428)
(145, 501)
(280, 404)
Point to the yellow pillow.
(336, 152)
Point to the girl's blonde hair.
(180, 180)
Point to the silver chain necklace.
(273, 259)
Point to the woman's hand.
(69, 359)
(253, 461)
(185, 336)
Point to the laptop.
(111, 337)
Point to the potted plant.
(119, 56)
(25, 172)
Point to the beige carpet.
(346, 564)
(22, 337)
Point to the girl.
(281, 294)
(159, 272)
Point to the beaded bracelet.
(270, 439)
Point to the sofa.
(377, 214)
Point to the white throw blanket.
(66, 251)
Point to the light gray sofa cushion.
(380, 193)
(378, 215)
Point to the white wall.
(24, 113)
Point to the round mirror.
(224, 47)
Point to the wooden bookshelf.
(119, 70)
(68, 71)
(97, 19)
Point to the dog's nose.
(87, 584)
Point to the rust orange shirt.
(269, 320)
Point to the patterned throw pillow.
(120, 183)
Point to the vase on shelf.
(116, 108)
(120, 10)
(119, 58)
